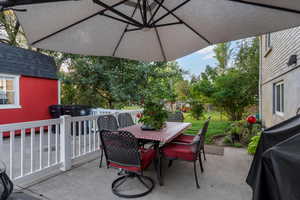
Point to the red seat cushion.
(177, 151)
(147, 155)
(184, 138)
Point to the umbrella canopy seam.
(158, 38)
(123, 33)
(76, 23)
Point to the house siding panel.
(274, 68)
(36, 94)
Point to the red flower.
(251, 119)
(139, 115)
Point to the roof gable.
(20, 61)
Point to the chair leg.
(200, 162)
(204, 153)
(196, 177)
(101, 158)
(170, 163)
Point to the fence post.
(65, 142)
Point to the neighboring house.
(28, 85)
(279, 76)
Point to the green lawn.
(217, 125)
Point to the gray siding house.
(279, 75)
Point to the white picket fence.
(33, 149)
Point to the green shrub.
(253, 144)
(154, 115)
(238, 145)
(197, 109)
(242, 131)
(227, 140)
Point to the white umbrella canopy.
(150, 30)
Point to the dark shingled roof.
(18, 61)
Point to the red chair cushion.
(177, 151)
(147, 155)
(184, 138)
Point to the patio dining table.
(162, 136)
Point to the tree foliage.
(10, 30)
(231, 89)
(112, 82)
(223, 53)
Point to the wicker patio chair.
(125, 120)
(122, 151)
(185, 151)
(185, 138)
(106, 122)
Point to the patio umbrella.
(150, 30)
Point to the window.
(278, 97)
(268, 44)
(9, 91)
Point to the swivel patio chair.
(186, 138)
(125, 120)
(122, 151)
(106, 122)
(175, 117)
(190, 152)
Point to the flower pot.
(147, 128)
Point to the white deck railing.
(37, 147)
(32, 150)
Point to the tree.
(113, 83)
(231, 89)
(230, 92)
(10, 30)
(182, 89)
(223, 54)
(247, 61)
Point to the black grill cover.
(275, 163)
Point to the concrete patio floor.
(223, 179)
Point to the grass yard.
(217, 125)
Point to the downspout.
(260, 80)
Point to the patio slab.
(223, 178)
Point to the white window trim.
(279, 113)
(17, 92)
(267, 49)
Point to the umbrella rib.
(124, 31)
(156, 10)
(110, 8)
(158, 37)
(120, 20)
(187, 25)
(141, 11)
(170, 11)
(76, 23)
(266, 6)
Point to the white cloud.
(207, 53)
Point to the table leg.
(158, 164)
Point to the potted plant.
(154, 115)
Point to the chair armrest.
(188, 134)
(182, 143)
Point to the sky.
(196, 62)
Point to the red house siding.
(36, 95)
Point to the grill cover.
(273, 174)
